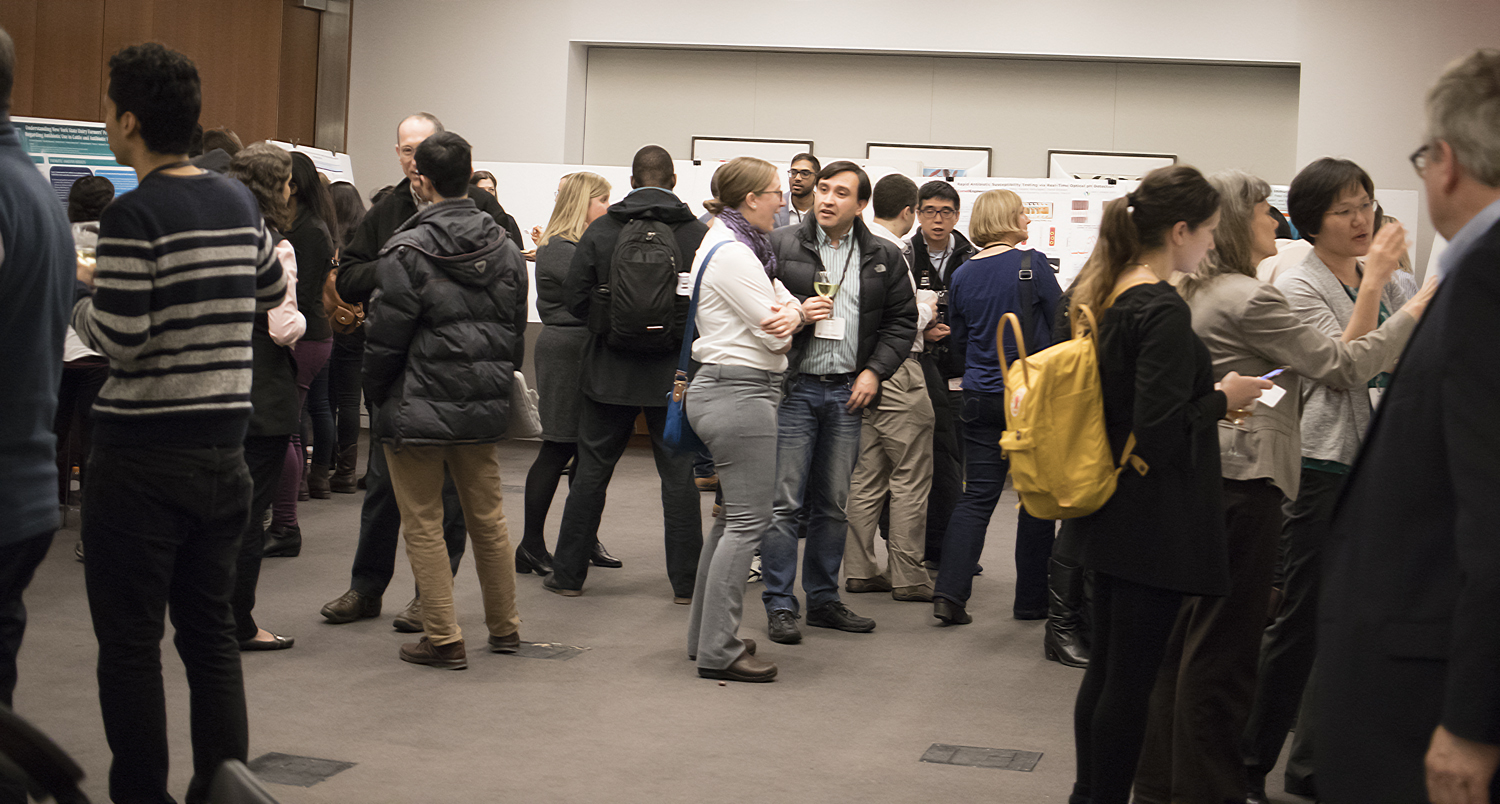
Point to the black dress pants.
(1290, 643)
(603, 433)
(1132, 623)
(947, 462)
(264, 457)
(161, 526)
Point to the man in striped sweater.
(184, 263)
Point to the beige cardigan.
(1249, 327)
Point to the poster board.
(67, 150)
(1065, 215)
(336, 166)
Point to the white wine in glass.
(824, 286)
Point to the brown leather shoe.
(446, 657)
(867, 585)
(505, 644)
(919, 594)
(351, 606)
(745, 668)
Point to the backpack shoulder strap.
(1028, 300)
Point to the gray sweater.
(1334, 418)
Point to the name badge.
(684, 284)
(1271, 397)
(1375, 396)
(956, 384)
(829, 328)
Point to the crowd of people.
(1310, 483)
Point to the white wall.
(1210, 115)
(508, 75)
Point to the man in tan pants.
(895, 453)
(445, 336)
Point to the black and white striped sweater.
(184, 264)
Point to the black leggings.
(1131, 623)
(541, 485)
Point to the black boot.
(1065, 639)
(344, 461)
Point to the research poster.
(336, 166)
(1065, 215)
(67, 150)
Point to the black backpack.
(637, 309)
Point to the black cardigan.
(1165, 529)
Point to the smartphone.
(1271, 375)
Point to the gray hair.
(1463, 110)
(1239, 193)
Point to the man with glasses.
(800, 180)
(937, 249)
(856, 287)
(1409, 643)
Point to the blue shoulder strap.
(689, 331)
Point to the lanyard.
(849, 240)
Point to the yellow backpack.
(1060, 461)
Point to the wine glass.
(824, 286)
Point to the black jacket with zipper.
(949, 363)
(446, 329)
(887, 304)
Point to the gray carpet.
(627, 720)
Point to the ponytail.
(1137, 222)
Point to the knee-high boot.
(1066, 639)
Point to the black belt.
(829, 378)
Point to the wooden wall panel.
(243, 49)
(297, 121)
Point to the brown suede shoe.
(447, 657)
(409, 621)
(920, 594)
(505, 644)
(745, 668)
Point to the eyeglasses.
(942, 213)
(800, 174)
(779, 194)
(1366, 208)
(1419, 158)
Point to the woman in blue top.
(1001, 278)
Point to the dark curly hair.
(160, 87)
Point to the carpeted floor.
(627, 720)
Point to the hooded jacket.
(446, 329)
(610, 376)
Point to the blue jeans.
(983, 417)
(817, 447)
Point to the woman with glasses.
(581, 199)
(745, 321)
(1203, 691)
(1344, 290)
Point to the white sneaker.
(754, 569)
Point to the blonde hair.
(1239, 193)
(570, 213)
(736, 179)
(265, 169)
(996, 217)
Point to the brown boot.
(446, 657)
(342, 481)
(317, 482)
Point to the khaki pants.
(417, 478)
(895, 455)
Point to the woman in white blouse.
(745, 322)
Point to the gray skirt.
(559, 361)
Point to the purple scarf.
(746, 233)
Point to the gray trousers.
(733, 409)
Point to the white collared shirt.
(926, 299)
(735, 297)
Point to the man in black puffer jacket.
(445, 336)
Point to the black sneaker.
(782, 627)
(837, 615)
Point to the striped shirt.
(184, 264)
(841, 262)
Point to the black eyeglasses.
(800, 174)
(1419, 158)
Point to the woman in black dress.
(1160, 538)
